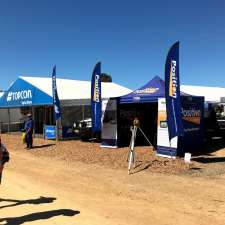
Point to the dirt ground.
(73, 182)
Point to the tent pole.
(44, 114)
(8, 120)
(33, 114)
(56, 130)
(83, 110)
(50, 115)
(44, 122)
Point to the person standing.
(29, 127)
(4, 157)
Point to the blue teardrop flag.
(56, 102)
(96, 101)
(172, 92)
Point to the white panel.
(162, 131)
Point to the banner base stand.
(166, 156)
(108, 146)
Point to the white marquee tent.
(74, 96)
(211, 94)
(75, 92)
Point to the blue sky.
(130, 37)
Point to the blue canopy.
(150, 92)
(22, 93)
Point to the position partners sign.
(96, 101)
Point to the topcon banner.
(24, 96)
(22, 93)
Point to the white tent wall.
(75, 110)
(11, 119)
(73, 114)
(211, 94)
(75, 102)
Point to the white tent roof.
(75, 89)
(211, 94)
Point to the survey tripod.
(131, 153)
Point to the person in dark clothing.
(4, 157)
(29, 126)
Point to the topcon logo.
(19, 95)
(173, 80)
(9, 97)
(96, 89)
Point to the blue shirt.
(29, 125)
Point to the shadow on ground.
(207, 154)
(210, 146)
(38, 216)
(140, 166)
(37, 201)
(42, 146)
(214, 145)
(206, 159)
(144, 165)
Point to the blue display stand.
(49, 132)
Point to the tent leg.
(83, 111)
(8, 120)
(33, 113)
(57, 130)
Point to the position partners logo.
(173, 80)
(191, 115)
(97, 90)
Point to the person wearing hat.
(29, 126)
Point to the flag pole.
(57, 130)
(172, 95)
(96, 101)
(56, 104)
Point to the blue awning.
(150, 92)
(21, 93)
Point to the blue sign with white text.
(49, 132)
(21, 93)
(192, 112)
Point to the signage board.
(49, 132)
